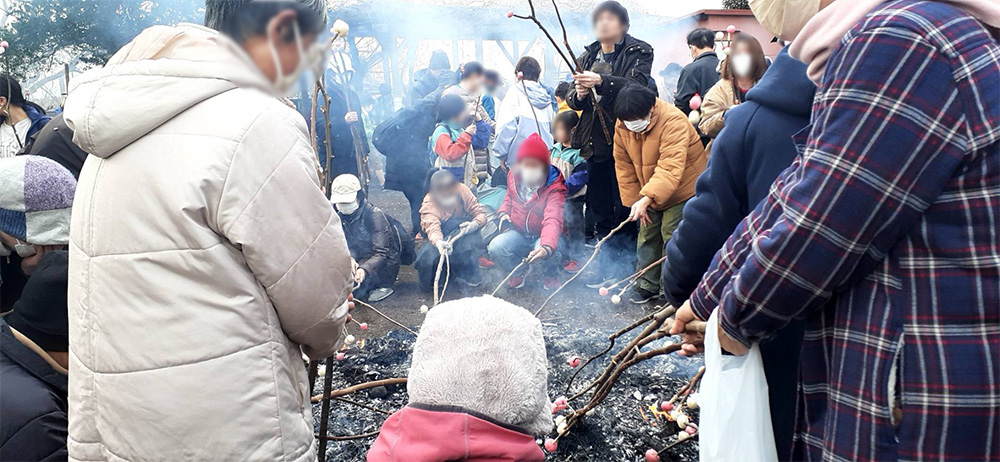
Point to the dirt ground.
(576, 322)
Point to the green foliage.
(736, 4)
(91, 30)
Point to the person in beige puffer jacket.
(204, 258)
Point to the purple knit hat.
(36, 198)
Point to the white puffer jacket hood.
(204, 259)
(177, 67)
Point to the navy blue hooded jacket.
(751, 151)
(747, 156)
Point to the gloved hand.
(359, 275)
(469, 227)
(444, 247)
(503, 223)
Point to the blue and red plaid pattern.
(884, 235)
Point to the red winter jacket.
(542, 215)
(419, 433)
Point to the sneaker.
(380, 294)
(473, 279)
(597, 282)
(515, 282)
(572, 267)
(485, 262)
(640, 296)
(551, 283)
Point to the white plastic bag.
(735, 417)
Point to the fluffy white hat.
(485, 355)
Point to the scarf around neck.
(821, 35)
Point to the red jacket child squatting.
(542, 214)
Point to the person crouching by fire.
(531, 216)
(450, 218)
(477, 387)
(375, 244)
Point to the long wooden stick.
(597, 249)
(370, 408)
(312, 118)
(444, 260)
(511, 273)
(598, 110)
(361, 386)
(387, 318)
(639, 273)
(571, 64)
(349, 437)
(611, 339)
(538, 125)
(329, 134)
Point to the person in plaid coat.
(884, 235)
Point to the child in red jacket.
(531, 216)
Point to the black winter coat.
(402, 138)
(632, 63)
(32, 403)
(342, 143)
(696, 78)
(55, 141)
(374, 243)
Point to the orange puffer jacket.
(663, 162)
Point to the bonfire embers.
(614, 431)
(657, 326)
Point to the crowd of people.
(836, 204)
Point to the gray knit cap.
(485, 355)
(36, 198)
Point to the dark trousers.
(781, 369)
(463, 260)
(414, 193)
(574, 228)
(342, 163)
(363, 290)
(618, 257)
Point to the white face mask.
(308, 59)
(448, 202)
(784, 18)
(742, 64)
(348, 208)
(532, 177)
(637, 126)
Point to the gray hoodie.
(516, 118)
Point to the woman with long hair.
(741, 70)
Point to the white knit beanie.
(485, 355)
(36, 198)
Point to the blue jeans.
(509, 248)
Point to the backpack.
(392, 136)
(407, 253)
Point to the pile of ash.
(616, 432)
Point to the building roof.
(702, 14)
